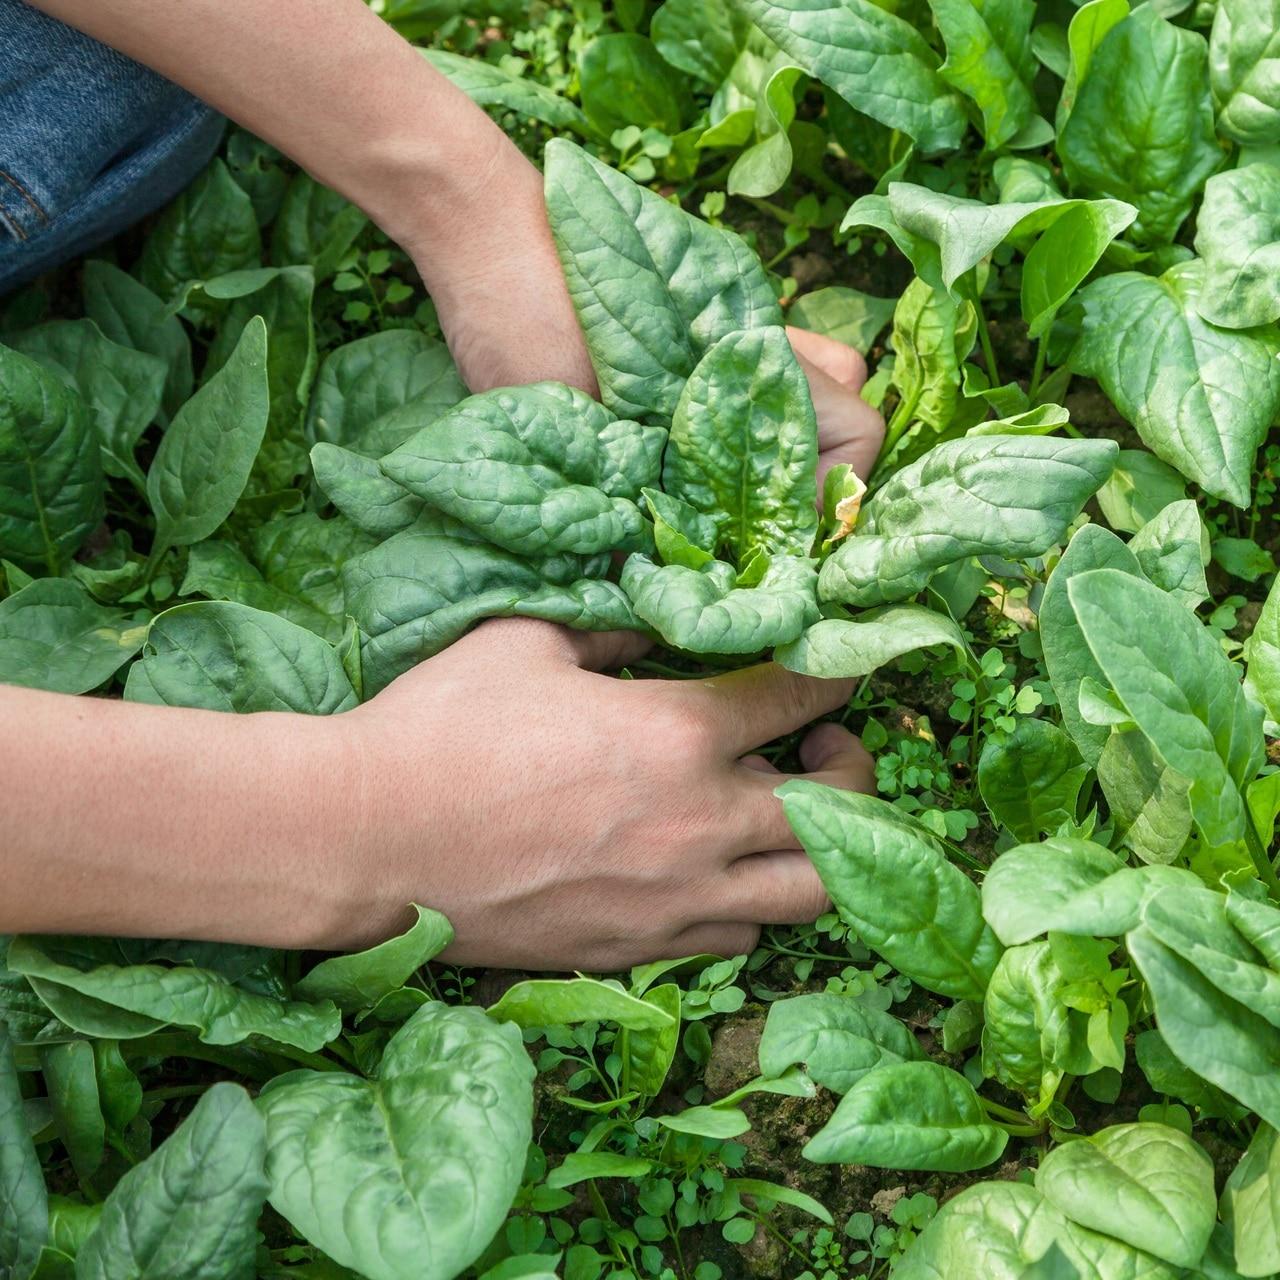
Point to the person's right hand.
(563, 819)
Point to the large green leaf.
(190, 1210)
(315, 227)
(700, 37)
(419, 591)
(909, 1115)
(362, 381)
(1147, 799)
(204, 460)
(889, 878)
(1142, 127)
(1066, 655)
(744, 446)
(623, 80)
(363, 492)
(1009, 495)
(24, 1203)
(1238, 236)
(1262, 653)
(547, 1002)
(1200, 397)
(705, 611)
(121, 388)
(1251, 1204)
(933, 334)
(1086, 31)
(990, 59)
(1180, 689)
(1031, 779)
(538, 470)
(229, 657)
(1145, 1184)
(834, 649)
(1244, 65)
(54, 635)
(1173, 550)
(50, 473)
(204, 1001)
(653, 286)
(406, 1176)
(838, 1039)
(875, 61)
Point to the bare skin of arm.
(560, 818)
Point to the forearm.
(118, 818)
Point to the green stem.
(984, 336)
(1261, 858)
(1037, 373)
(998, 1109)
(785, 216)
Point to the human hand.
(563, 819)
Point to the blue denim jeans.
(90, 141)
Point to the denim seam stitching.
(25, 194)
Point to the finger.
(835, 359)
(781, 887)
(607, 650)
(745, 709)
(834, 756)
(591, 650)
(849, 429)
(759, 764)
(727, 940)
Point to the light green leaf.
(54, 635)
(623, 80)
(198, 999)
(1244, 67)
(1262, 653)
(875, 61)
(538, 470)
(204, 460)
(989, 59)
(857, 319)
(834, 649)
(363, 492)
(720, 1123)
(190, 1210)
(653, 287)
(762, 168)
(838, 1039)
(548, 1002)
(406, 1176)
(1165, 1074)
(889, 878)
(1251, 1204)
(1139, 488)
(489, 85)
(1031, 779)
(700, 37)
(359, 981)
(1141, 129)
(704, 611)
(1180, 689)
(744, 445)
(682, 534)
(932, 337)
(580, 1166)
(121, 388)
(1145, 1184)
(50, 473)
(1088, 28)
(1148, 800)
(1011, 496)
(909, 1115)
(648, 1053)
(228, 657)
(1173, 550)
(1238, 236)
(1201, 398)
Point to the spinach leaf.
(888, 877)
(933, 335)
(50, 476)
(1031, 779)
(228, 657)
(190, 1210)
(1200, 397)
(1147, 799)
(838, 1039)
(653, 287)
(54, 635)
(1251, 1204)
(909, 1115)
(874, 60)
(1262, 653)
(1011, 496)
(833, 649)
(1244, 67)
(1238, 236)
(315, 227)
(1142, 129)
(857, 319)
(490, 85)
(546, 1002)
(1172, 550)
(24, 1203)
(744, 446)
(700, 37)
(431, 1150)
(204, 460)
(1140, 488)
(623, 80)
(363, 492)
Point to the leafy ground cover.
(1039, 1034)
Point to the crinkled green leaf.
(1244, 66)
(838, 1039)
(744, 445)
(54, 635)
(875, 61)
(834, 649)
(888, 877)
(933, 335)
(490, 85)
(704, 611)
(363, 492)
(406, 1176)
(229, 657)
(909, 1115)
(50, 473)
(1141, 129)
(1201, 398)
(653, 286)
(1011, 496)
(538, 470)
(1238, 236)
(190, 1210)
(1031, 779)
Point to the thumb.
(833, 755)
